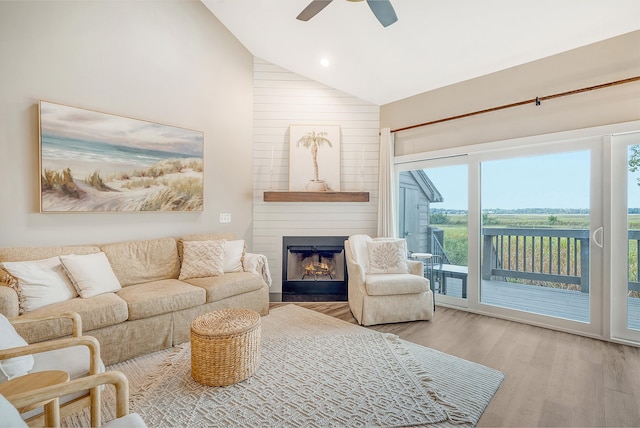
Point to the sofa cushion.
(229, 284)
(137, 262)
(96, 312)
(9, 338)
(75, 360)
(160, 297)
(10, 416)
(395, 283)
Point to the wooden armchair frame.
(92, 398)
(115, 378)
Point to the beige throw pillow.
(202, 258)
(41, 282)
(91, 274)
(388, 256)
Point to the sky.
(88, 125)
(558, 180)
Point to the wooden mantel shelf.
(316, 196)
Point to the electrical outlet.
(225, 217)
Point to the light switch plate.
(225, 217)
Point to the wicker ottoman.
(225, 346)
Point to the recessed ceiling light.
(324, 62)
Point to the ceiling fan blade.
(383, 10)
(312, 9)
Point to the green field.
(456, 237)
(562, 221)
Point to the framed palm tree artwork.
(314, 158)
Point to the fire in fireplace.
(313, 268)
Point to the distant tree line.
(439, 215)
(444, 211)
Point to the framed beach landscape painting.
(98, 162)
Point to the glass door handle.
(595, 234)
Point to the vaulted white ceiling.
(434, 43)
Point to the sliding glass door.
(537, 221)
(515, 232)
(625, 286)
(551, 224)
(433, 217)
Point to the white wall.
(607, 61)
(170, 62)
(281, 99)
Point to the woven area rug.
(315, 370)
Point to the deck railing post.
(487, 257)
(584, 264)
(633, 278)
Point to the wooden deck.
(554, 302)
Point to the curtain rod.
(536, 100)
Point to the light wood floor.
(553, 379)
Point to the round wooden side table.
(35, 380)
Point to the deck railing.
(438, 250)
(539, 255)
(634, 262)
(547, 255)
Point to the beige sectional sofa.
(153, 309)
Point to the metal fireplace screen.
(314, 266)
(315, 263)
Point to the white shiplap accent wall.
(283, 98)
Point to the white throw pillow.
(202, 258)
(41, 282)
(9, 338)
(388, 256)
(233, 255)
(91, 274)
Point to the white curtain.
(386, 187)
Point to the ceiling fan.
(382, 9)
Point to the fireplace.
(313, 268)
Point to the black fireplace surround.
(314, 268)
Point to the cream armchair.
(78, 355)
(384, 286)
